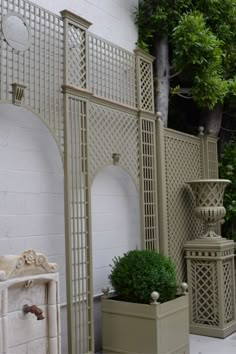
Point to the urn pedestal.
(210, 266)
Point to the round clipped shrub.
(138, 273)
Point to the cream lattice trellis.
(229, 311)
(212, 159)
(145, 86)
(113, 131)
(40, 67)
(205, 293)
(112, 71)
(106, 74)
(78, 242)
(108, 108)
(148, 145)
(77, 68)
(182, 164)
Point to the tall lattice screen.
(38, 66)
(212, 159)
(76, 56)
(149, 184)
(112, 71)
(79, 226)
(146, 98)
(113, 131)
(182, 164)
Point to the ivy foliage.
(228, 171)
(202, 41)
(138, 273)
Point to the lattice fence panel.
(228, 291)
(146, 86)
(112, 71)
(212, 159)
(76, 57)
(79, 226)
(149, 184)
(182, 163)
(205, 299)
(112, 131)
(40, 67)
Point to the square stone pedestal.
(211, 280)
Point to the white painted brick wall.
(31, 188)
(112, 19)
(115, 220)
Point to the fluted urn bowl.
(208, 194)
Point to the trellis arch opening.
(32, 190)
(115, 216)
(116, 229)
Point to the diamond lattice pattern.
(182, 159)
(146, 92)
(40, 68)
(204, 292)
(228, 291)
(113, 131)
(209, 195)
(76, 57)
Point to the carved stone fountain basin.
(29, 280)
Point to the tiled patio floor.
(209, 345)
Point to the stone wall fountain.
(29, 305)
(210, 265)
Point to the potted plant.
(146, 315)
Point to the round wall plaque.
(16, 31)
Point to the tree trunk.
(162, 77)
(212, 120)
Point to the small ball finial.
(105, 291)
(155, 296)
(201, 130)
(184, 287)
(158, 115)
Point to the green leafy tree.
(228, 171)
(194, 43)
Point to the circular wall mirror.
(16, 31)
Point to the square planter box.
(131, 328)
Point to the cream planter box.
(131, 328)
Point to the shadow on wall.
(115, 228)
(31, 191)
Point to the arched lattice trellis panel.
(37, 63)
(97, 99)
(113, 132)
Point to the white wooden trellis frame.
(97, 100)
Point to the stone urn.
(208, 194)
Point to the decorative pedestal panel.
(211, 280)
(29, 305)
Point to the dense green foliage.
(228, 171)
(202, 40)
(138, 273)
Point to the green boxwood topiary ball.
(138, 273)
